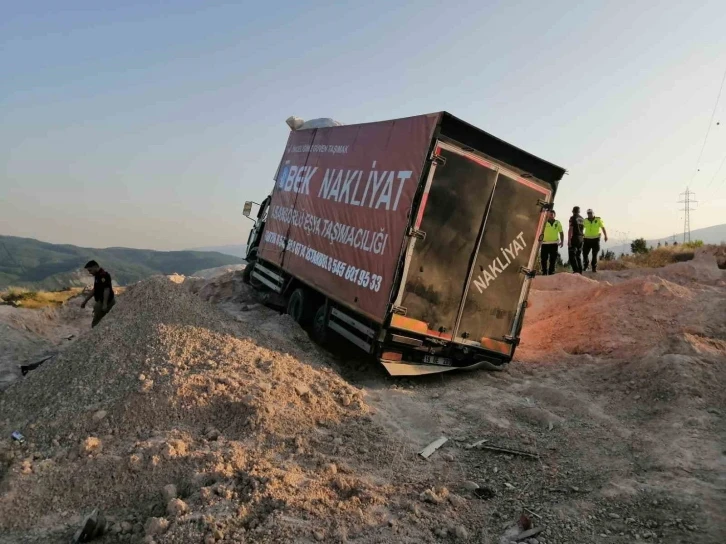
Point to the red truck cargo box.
(341, 205)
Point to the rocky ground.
(195, 414)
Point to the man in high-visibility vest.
(592, 225)
(553, 238)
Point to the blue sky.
(150, 125)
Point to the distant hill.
(709, 235)
(239, 250)
(25, 262)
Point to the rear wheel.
(298, 306)
(320, 325)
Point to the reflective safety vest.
(552, 232)
(592, 228)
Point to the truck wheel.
(249, 267)
(298, 306)
(320, 325)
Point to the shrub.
(639, 246)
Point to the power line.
(687, 202)
(708, 130)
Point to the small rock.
(142, 377)
(265, 387)
(156, 526)
(176, 508)
(91, 445)
(212, 435)
(209, 539)
(338, 441)
(146, 386)
(447, 457)
(218, 534)
(332, 468)
(136, 462)
(98, 416)
(149, 540)
(392, 522)
(430, 497)
(470, 486)
(613, 515)
(169, 492)
(441, 532)
(461, 532)
(508, 485)
(138, 528)
(319, 536)
(456, 500)
(126, 527)
(301, 389)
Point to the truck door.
(458, 192)
(464, 280)
(508, 247)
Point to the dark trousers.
(98, 313)
(574, 251)
(591, 244)
(548, 256)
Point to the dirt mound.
(166, 390)
(598, 318)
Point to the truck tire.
(249, 267)
(298, 306)
(320, 325)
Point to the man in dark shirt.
(575, 239)
(102, 292)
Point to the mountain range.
(25, 262)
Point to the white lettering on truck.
(495, 269)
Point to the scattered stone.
(470, 486)
(147, 386)
(456, 500)
(302, 390)
(319, 536)
(441, 532)
(209, 539)
(461, 532)
(332, 468)
(430, 497)
(126, 527)
(91, 445)
(176, 508)
(447, 457)
(156, 526)
(169, 492)
(98, 416)
(136, 462)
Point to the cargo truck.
(414, 239)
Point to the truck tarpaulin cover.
(341, 204)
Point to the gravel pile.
(167, 391)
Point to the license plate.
(434, 360)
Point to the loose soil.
(194, 413)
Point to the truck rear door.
(480, 224)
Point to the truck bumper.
(403, 368)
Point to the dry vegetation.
(19, 296)
(662, 256)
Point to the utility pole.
(688, 201)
